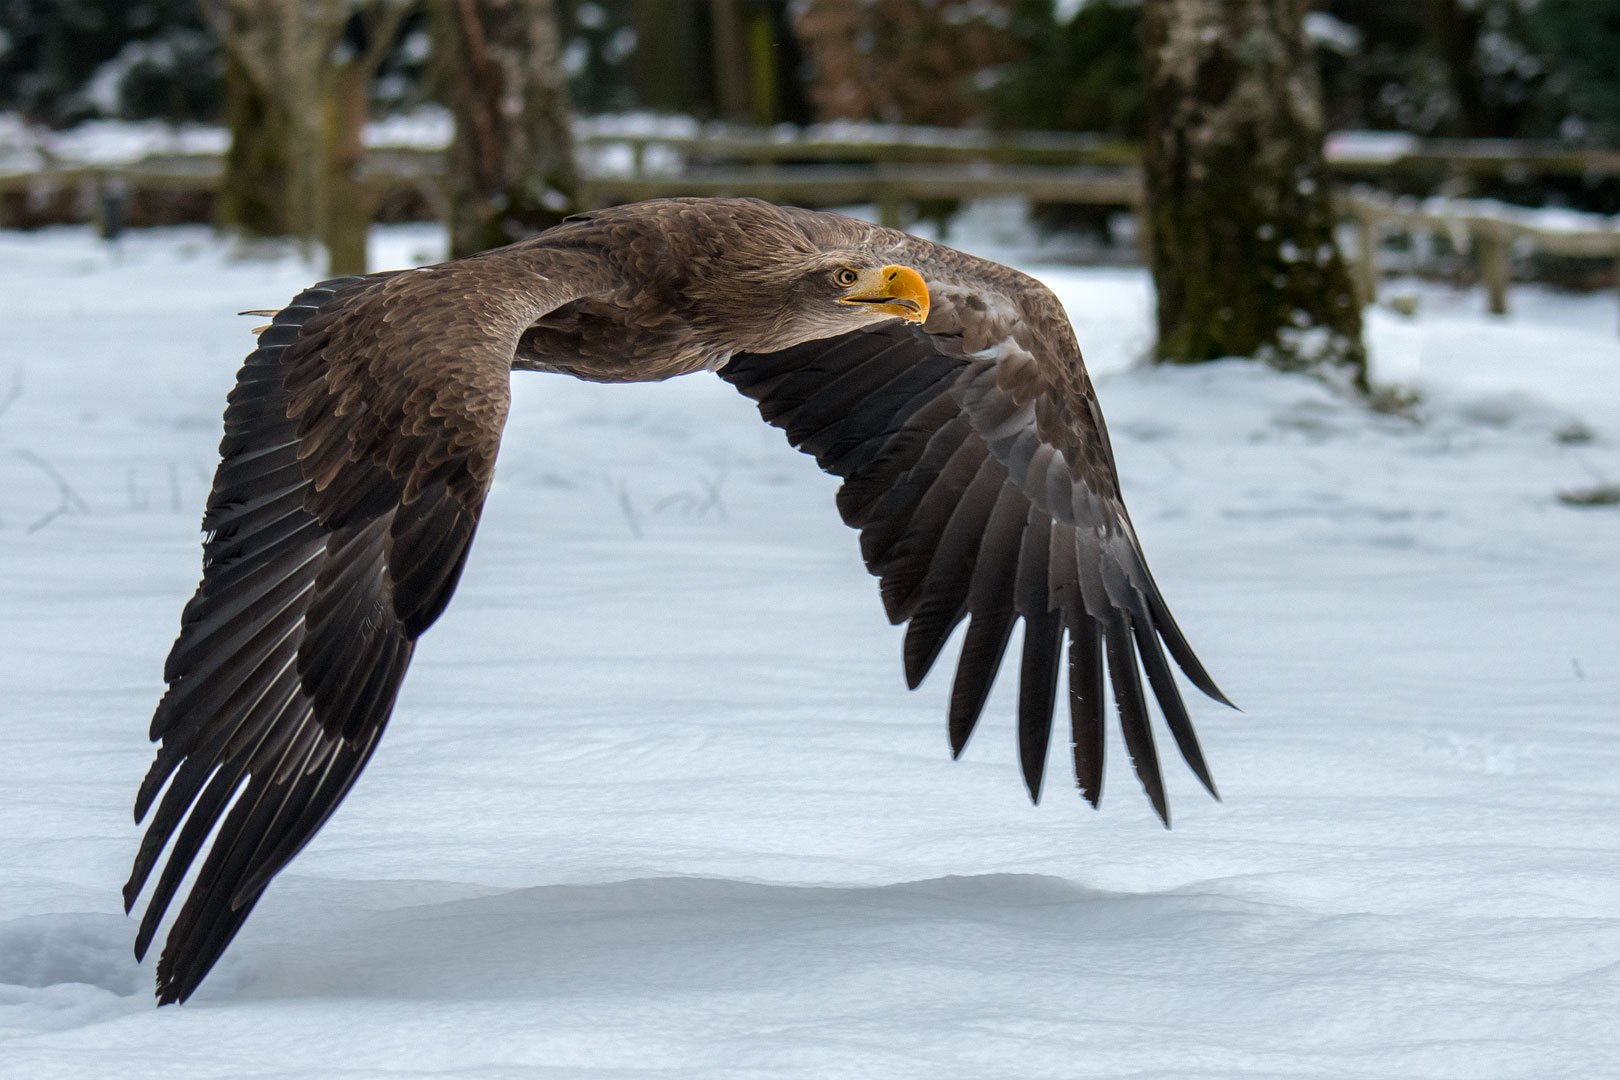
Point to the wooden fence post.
(1495, 252)
(890, 213)
(1144, 228)
(1369, 237)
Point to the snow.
(1546, 218)
(1369, 147)
(118, 142)
(1331, 33)
(656, 802)
(424, 128)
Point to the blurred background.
(1473, 141)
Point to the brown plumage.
(361, 437)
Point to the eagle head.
(808, 295)
(884, 290)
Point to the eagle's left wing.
(977, 467)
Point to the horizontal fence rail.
(896, 167)
(649, 153)
(1492, 233)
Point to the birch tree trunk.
(512, 169)
(1240, 214)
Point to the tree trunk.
(346, 199)
(511, 170)
(733, 90)
(297, 119)
(668, 51)
(253, 192)
(761, 26)
(1239, 209)
(1453, 31)
(275, 54)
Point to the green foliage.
(1378, 71)
(659, 55)
(602, 39)
(62, 61)
(1083, 75)
(1582, 38)
(1471, 68)
(174, 76)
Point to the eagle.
(946, 391)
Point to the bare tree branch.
(218, 15)
(68, 499)
(382, 28)
(478, 63)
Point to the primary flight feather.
(946, 391)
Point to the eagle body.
(947, 391)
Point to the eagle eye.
(844, 277)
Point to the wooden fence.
(896, 168)
(1492, 235)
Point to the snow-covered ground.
(656, 803)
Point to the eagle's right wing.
(359, 444)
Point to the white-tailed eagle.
(946, 391)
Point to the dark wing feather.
(991, 600)
(359, 444)
(977, 467)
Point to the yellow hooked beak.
(893, 290)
